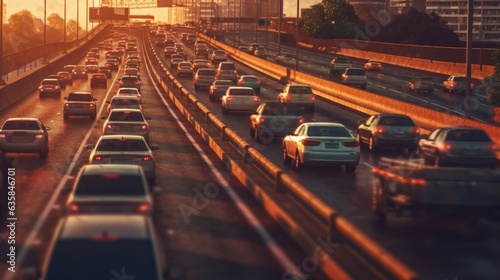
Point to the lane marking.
(271, 244)
(439, 105)
(32, 237)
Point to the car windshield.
(356, 72)
(242, 92)
(332, 131)
(21, 125)
(129, 79)
(130, 145)
(224, 83)
(125, 102)
(289, 109)
(396, 121)
(300, 90)
(128, 91)
(250, 79)
(206, 72)
(50, 83)
(227, 66)
(126, 116)
(110, 184)
(79, 97)
(95, 258)
(459, 79)
(342, 60)
(467, 135)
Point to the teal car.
(249, 81)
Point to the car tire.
(372, 144)
(350, 168)
(379, 208)
(286, 159)
(44, 154)
(297, 162)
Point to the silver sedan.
(110, 188)
(24, 135)
(321, 143)
(126, 121)
(124, 149)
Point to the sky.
(57, 6)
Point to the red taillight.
(493, 147)
(144, 207)
(146, 158)
(379, 129)
(2, 135)
(39, 136)
(137, 83)
(416, 130)
(307, 142)
(109, 126)
(256, 99)
(229, 98)
(104, 237)
(97, 158)
(91, 105)
(261, 119)
(313, 97)
(144, 127)
(301, 120)
(73, 207)
(289, 97)
(448, 146)
(66, 105)
(417, 181)
(351, 144)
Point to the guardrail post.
(278, 186)
(246, 154)
(332, 228)
(223, 133)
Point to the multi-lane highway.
(413, 242)
(207, 232)
(208, 235)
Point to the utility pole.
(468, 57)
(297, 38)
(279, 26)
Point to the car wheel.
(350, 168)
(44, 154)
(286, 159)
(298, 163)
(372, 144)
(379, 207)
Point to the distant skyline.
(57, 6)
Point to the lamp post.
(234, 23)
(93, 7)
(297, 39)
(468, 56)
(45, 60)
(256, 20)
(87, 19)
(64, 50)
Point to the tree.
(419, 28)
(331, 19)
(491, 84)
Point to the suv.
(227, 71)
(299, 94)
(79, 104)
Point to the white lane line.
(435, 104)
(485, 105)
(426, 101)
(32, 237)
(271, 244)
(393, 90)
(477, 119)
(367, 164)
(377, 85)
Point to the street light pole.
(45, 60)
(234, 23)
(87, 21)
(468, 57)
(256, 21)
(64, 51)
(297, 38)
(279, 26)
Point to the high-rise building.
(401, 6)
(486, 24)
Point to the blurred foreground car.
(80, 104)
(126, 121)
(321, 143)
(110, 188)
(389, 130)
(460, 146)
(24, 135)
(104, 247)
(124, 149)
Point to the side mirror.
(156, 190)
(65, 97)
(154, 147)
(148, 118)
(89, 146)
(47, 128)
(66, 190)
(108, 102)
(103, 117)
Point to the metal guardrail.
(334, 223)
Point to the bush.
(491, 86)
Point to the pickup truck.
(274, 119)
(339, 65)
(410, 186)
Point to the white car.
(321, 143)
(126, 121)
(185, 68)
(129, 92)
(123, 102)
(240, 99)
(124, 149)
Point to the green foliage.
(491, 84)
(332, 19)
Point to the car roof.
(79, 92)
(127, 89)
(22, 119)
(461, 127)
(126, 110)
(120, 136)
(393, 115)
(50, 80)
(125, 97)
(324, 124)
(248, 76)
(92, 226)
(99, 169)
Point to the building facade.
(486, 24)
(401, 6)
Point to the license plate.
(19, 139)
(332, 145)
(121, 161)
